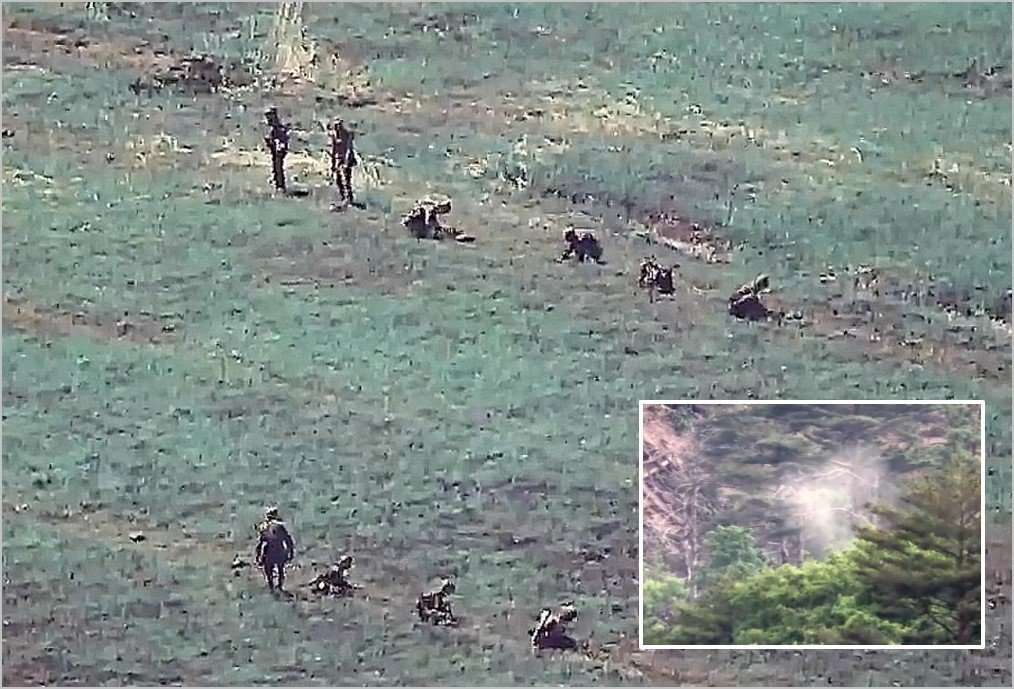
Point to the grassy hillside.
(440, 409)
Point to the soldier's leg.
(281, 575)
(347, 174)
(268, 575)
(339, 183)
(278, 166)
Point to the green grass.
(491, 367)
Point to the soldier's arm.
(290, 546)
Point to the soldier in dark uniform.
(581, 246)
(745, 302)
(551, 629)
(275, 548)
(654, 277)
(434, 607)
(343, 159)
(277, 141)
(334, 582)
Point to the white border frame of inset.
(732, 647)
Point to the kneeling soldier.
(334, 582)
(551, 630)
(435, 608)
(582, 246)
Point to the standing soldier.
(343, 159)
(274, 549)
(277, 141)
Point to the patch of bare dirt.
(140, 328)
(156, 63)
(333, 266)
(700, 240)
(28, 42)
(982, 81)
(895, 331)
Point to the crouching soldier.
(274, 549)
(583, 246)
(745, 302)
(434, 606)
(551, 630)
(334, 582)
(423, 221)
(654, 277)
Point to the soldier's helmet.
(761, 282)
(271, 513)
(568, 612)
(447, 586)
(344, 562)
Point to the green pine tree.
(923, 563)
(732, 553)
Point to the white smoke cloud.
(829, 503)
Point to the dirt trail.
(138, 329)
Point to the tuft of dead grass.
(294, 56)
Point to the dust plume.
(828, 504)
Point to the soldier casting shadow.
(335, 581)
(551, 630)
(277, 141)
(583, 246)
(435, 608)
(275, 549)
(343, 160)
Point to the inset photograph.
(812, 525)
